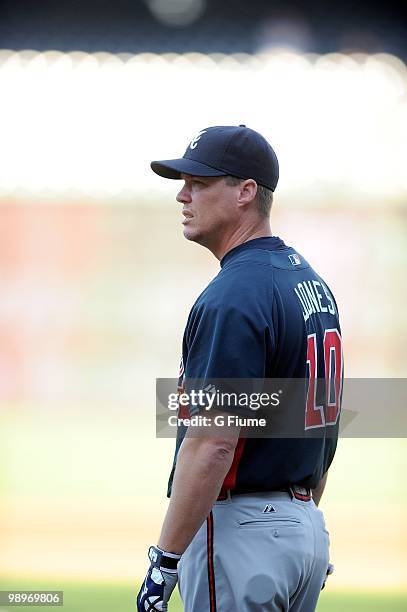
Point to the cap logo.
(194, 141)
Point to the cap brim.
(173, 168)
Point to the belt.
(296, 492)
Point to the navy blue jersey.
(268, 314)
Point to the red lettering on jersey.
(315, 416)
(333, 374)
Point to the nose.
(184, 195)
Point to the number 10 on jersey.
(319, 416)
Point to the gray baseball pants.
(257, 552)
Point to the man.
(243, 531)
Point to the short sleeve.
(227, 342)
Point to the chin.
(189, 234)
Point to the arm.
(203, 460)
(319, 489)
(202, 465)
(225, 337)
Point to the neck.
(240, 235)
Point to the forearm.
(319, 489)
(200, 472)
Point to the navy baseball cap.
(225, 150)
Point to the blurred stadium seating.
(227, 26)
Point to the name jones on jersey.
(312, 300)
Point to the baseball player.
(243, 531)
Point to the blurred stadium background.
(97, 279)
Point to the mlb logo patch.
(295, 259)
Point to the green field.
(83, 597)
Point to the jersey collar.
(267, 243)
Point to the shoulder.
(243, 286)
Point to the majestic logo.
(295, 259)
(269, 508)
(194, 141)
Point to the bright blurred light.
(78, 124)
(290, 32)
(177, 12)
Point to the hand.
(160, 581)
(329, 571)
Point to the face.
(209, 208)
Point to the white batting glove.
(159, 582)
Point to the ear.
(247, 192)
